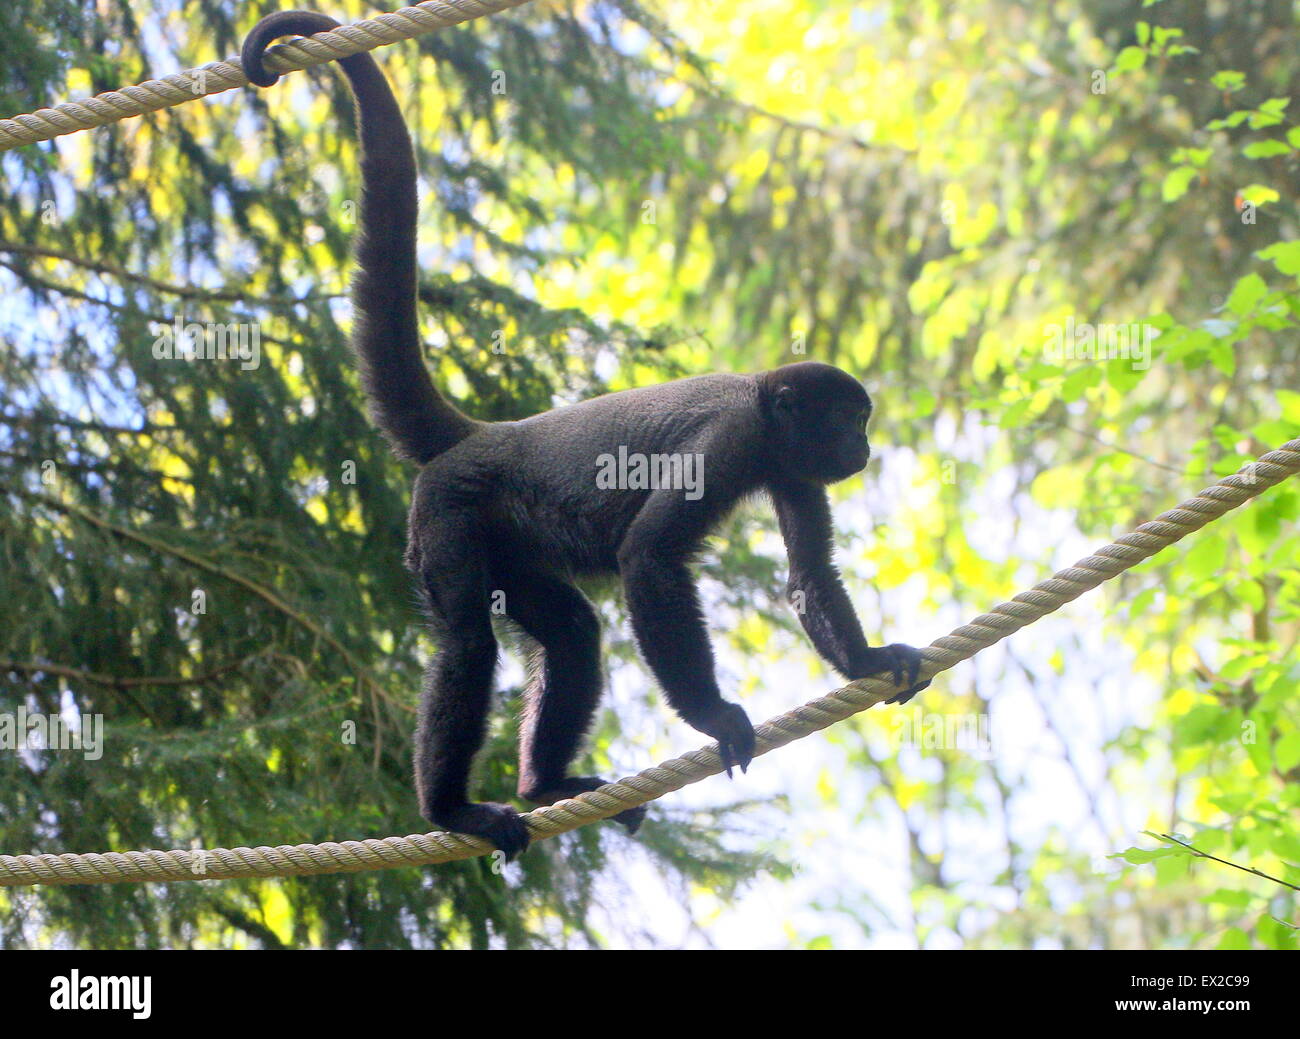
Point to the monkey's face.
(832, 444)
(820, 421)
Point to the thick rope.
(424, 849)
(218, 76)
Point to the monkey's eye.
(861, 423)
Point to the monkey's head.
(817, 418)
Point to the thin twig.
(1215, 858)
(30, 667)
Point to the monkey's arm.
(819, 598)
(669, 624)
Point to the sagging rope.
(217, 76)
(429, 848)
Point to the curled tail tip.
(272, 27)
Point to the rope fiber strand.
(429, 848)
(218, 76)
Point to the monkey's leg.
(458, 691)
(563, 689)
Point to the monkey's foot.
(897, 659)
(571, 786)
(498, 823)
(730, 726)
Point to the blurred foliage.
(926, 193)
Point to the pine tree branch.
(171, 288)
(31, 667)
(364, 675)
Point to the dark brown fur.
(515, 508)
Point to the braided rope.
(218, 76)
(426, 849)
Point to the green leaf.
(1223, 357)
(1275, 431)
(1142, 856)
(1266, 149)
(1198, 157)
(923, 403)
(1287, 846)
(1286, 752)
(1232, 899)
(1141, 602)
(1176, 183)
(1234, 938)
(1015, 413)
(1206, 557)
(1228, 121)
(1130, 58)
(1228, 80)
(1285, 257)
(1259, 194)
(1172, 870)
(1251, 594)
(1246, 294)
(1270, 113)
(1078, 382)
(1290, 401)
(1275, 933)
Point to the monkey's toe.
(730, 726)
(632, 818)
(902, 698)
(498, 823)
(736, 753)
(571, 786)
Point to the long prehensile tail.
(404, 403)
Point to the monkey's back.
(541, 485)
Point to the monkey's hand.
(898, 659)
(730, 726)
